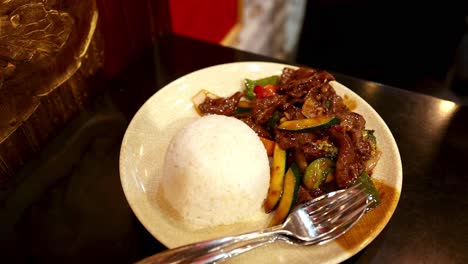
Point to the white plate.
(148, 135)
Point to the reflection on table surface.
(68, 205)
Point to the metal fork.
(313, 223)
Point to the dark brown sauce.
(372, 221)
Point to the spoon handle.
(217, 250)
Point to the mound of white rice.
(216, 172)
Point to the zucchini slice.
(292, 181)
(317, 172)
(278, 170)
(309, 123)
(243, 108)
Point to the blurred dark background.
(420, 46)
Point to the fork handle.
(220, 249)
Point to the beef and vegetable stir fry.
(317, 143)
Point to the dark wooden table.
(67, 205)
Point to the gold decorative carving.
(47, 50)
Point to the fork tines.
(332, 202)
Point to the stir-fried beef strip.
(303, 195)
(306, 93)
(355, 124)
(348, 164)
(292, 112)
(319, 148)
(260, 130)
(263, 108)
(297, 83)
(290, 139)
(221, 106)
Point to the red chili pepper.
(259, 91)
(264, 91)
(269, 90)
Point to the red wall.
(208, 20)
